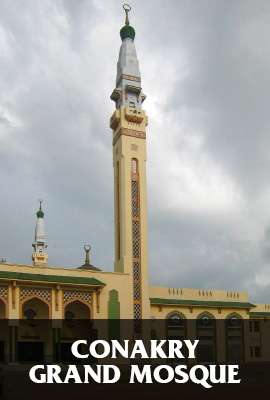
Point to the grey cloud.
(58, 68)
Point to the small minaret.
(87, 264)
(39, 255)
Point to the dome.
(40, 214)
(127, 32)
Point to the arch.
(205, 314)
(234, 315)
(41, 308)
(176, 314)
(79, 308)
(3, 309)
(176, 325)
(134, 166)
(206, 333)
(234, 333)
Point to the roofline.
(260, 314)
(41, 278)
(54, 267)
(200, 303)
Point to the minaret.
(128, 123)
(39, 255)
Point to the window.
(29, 313)
(205, 322)
(256, 326)
(234, 323)
(257, 351)
(69, 315)
(175, 321)
(134, 166)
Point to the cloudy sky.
(205, 69)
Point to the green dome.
(127, 32)
(40, 214)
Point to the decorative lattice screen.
(73, 295)
(136, 240)
(42, 293)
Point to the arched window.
(234, 338)
(29, 313)
(134, 166)
(205, 321)
(176, 325)
(206, 334)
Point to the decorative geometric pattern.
(134, 197)
(73, 295)
(3, 292)
(175, 291)
(44, 294)
(136, 248)
(137, 290)
(136, 240)
(129, 132)
(137, 311)
(136, 271)
(233, 295)
(205, 293)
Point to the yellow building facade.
(40, 291)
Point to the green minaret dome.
(127, 32)
(40, 213)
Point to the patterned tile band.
(136, 240)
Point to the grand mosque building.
(41, 291)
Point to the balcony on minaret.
(129, 118)
(134, 115)
(115, 119)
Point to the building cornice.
(200, 303)
(74, 280)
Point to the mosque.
(41, 291)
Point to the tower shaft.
(128, 123)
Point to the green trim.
(22, 276)
(260, 314)
(113, 305)
(114, 314)
(200, 303)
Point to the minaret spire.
(39, 255)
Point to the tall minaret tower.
(128, 123)
(39, 255)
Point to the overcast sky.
(205, 69)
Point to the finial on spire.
(40, 213)
(87, 265)
(127, 9)
(127, 30)
(87, 249)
